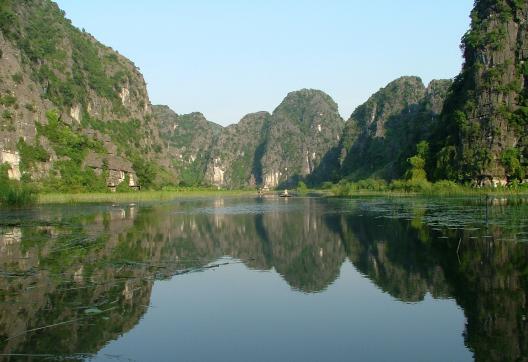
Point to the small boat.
(285, 194)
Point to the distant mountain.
(188, 140)
(303, 129)
(265, 149)
(236, 156)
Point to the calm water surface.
(243, 279)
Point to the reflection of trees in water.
(490, 284)
(55, 271)
(109, 257)
(389, 252)
(485, 270)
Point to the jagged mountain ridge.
(236, 156)
(75, 115)
(476, 125)
(303, 129)
(188, 139)
(262, 149)
(383, 132)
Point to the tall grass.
(15, 194)
(419, 187)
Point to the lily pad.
(92, 311)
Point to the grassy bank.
(149, 196)
(402, 188)
(14, 193)
(366, 188)
(143, 196)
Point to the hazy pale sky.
(227, 58)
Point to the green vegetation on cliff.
(97, 98)
(236, 156)
(188, 140)
(302, 139)
(475, 128)
(482, 136)
(383, 133)
(48, 42)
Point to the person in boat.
(285, 194)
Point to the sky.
(227, 58)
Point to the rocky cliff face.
(303, 129)
(46, 64)
(383, 132)
(189, 140)
(483, 134)
(236, 156)
(75, 115)
(266, 150)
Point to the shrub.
(145, 172)
(8, 100)
(7, 114)
(14, 193)
(7, 18)
(340, 189)
(30, 154)
(30, 107)
(417, 163)
(74, 178)
(511, 160)
(372, 184)
(445, 186)
(302, 188)
(18, 78)
(327, 185)
(17, 194)
(123, 186)
(414, 185)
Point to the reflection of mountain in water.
(389, 252)
(297, 243)
(75, 260)
(484, 269)
(54, 272)
(106, 259)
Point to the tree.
(302, 188)
(510, 160)
(145, 171)
(417, 163)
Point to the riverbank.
(409, 188)
(147, 196)
(459, 193)
(152, 196)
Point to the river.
(266, 279)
